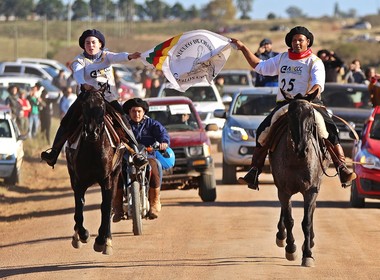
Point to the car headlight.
(204, 150)
(237, 133)
(7, 157)
(368, 160)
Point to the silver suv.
(248, 109)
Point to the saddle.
(272, 134)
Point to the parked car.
(31, 69)
(26, 82)
(350, 102)
(11, 149)
(248, 109)
(49, 62)
(366, 157)
(194, 165)
(236, 79)
(206, 99)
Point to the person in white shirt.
(299, 72)
(92, 70)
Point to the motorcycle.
(137, 173)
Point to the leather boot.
(345, 176)
(59, 140)
(258, 160)
(154, 201)
(117, 204)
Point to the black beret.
(265, 42)
(299, 30)
(135, 102)
(93, 33)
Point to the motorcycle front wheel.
(136, 208)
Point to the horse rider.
(147, 132)
(300, 72)
(92, 71)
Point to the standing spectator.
(67, 99)
(219, 83)
(46, 113)
(333, 65)
(34, 116)
(374, 90)
(26, 108)
(355, 74)
(146, 79)
(265, 52)
(155, 85)
(12, 101)
(60, 80)
(369, 73)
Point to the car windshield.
(196, 94)
(254, 104)
(375, 129)
(176, 117)
(235, 79)
(5, 130)
(347, 98)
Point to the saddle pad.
(321, 126)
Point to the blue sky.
(312, 8)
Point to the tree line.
(126, 10)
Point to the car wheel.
(355, 200)
(229, 173)
(207, 187)
(13, 179)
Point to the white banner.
(189, 58)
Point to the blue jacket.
(149, 131)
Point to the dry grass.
(27, 38)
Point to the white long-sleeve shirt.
(294, 76)
(99, 71)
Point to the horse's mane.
(302, 125)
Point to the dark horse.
(94, 161)
(298, 162)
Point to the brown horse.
(298, 162)
(94, 161)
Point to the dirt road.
(232, 238)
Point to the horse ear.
(286, 95)
(311, 96)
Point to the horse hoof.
(308, 262)
(75, 242)
(291, 256)
(108, 250)
(98, 247)
(280, 243)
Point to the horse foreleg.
(103, 242)
(81, 234)
(281, 233)
(307, 227)
(286, 212)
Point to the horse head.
(301, 120)
(94, 109)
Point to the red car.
(194, 165)
(366, 156)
